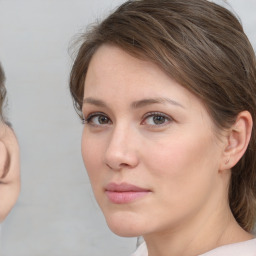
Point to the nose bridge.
(121, 150)
(119, 134)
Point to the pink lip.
(124, 193)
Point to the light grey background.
(56, 214)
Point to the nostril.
(117, 167)
(124, 165)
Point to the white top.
(247, 248)
(0, 239)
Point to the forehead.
(109, 58)
(112, 70)
(111, 64)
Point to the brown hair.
(2, 91)
(2, 101)
(203, 47)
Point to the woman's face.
(148, 146)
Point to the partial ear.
(238, 139)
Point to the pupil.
(103, 120)
(159, 119)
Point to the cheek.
(182, 161)
(92, 155)
(3, 159)
(183, 175)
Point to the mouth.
(124, 193)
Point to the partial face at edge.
(10, 183)
(148, 146)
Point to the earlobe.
(237, 140)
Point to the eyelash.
(168, 119)
(88, 119)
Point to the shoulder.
(141, 250)
(247, 248)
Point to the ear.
(238, 138)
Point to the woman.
(9, 160)
(166, 90)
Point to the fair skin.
(144, 129)
(10, 183)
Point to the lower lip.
(125, 197)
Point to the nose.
(122, 151)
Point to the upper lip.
(124, 187)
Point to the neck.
(201, 234)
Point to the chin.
(124, 230)
(125, 225)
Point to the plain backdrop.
(56, 214)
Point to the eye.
(156, 119)
(97, 119)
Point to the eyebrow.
(93, 101)
(150, 101)
(135, 104)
